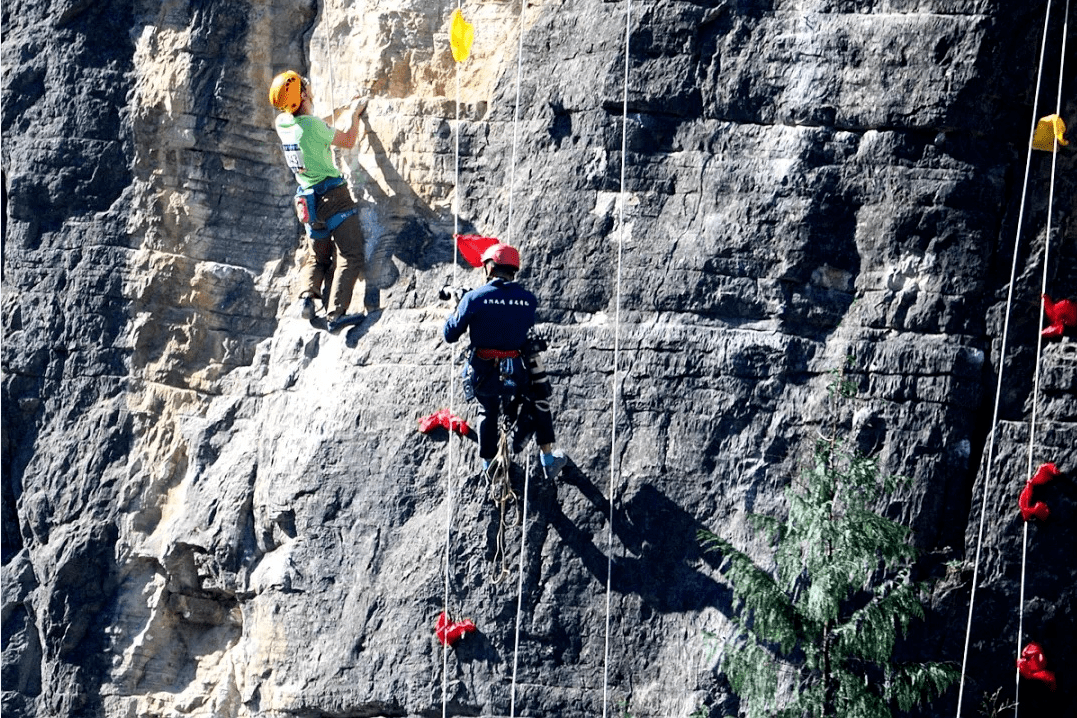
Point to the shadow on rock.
(476, 646)
(661, 552)
(402, 225)
(355, 332)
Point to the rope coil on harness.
(498, 476)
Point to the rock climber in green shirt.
(323, 203)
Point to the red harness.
(490, 354)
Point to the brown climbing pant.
(340, 258)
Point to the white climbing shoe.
(554, 468)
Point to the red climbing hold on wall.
(446, 420)
(1033, 665)
(1037, 509)
(1060, 315)
(451, 632)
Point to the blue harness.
(306, 208)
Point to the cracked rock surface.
(212, 507)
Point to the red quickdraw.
(445, 420)
(1036, 509)
(449, 632)
(1033, 665)
(1060, 315)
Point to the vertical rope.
(1039, 357)
(332, 96)
(989, 469)
(509, 236)
(614, 467)
(456, 186)
(520, 588)
(515, 122)
(452, 395)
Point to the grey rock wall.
(212, 508)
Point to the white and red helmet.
(502, 254)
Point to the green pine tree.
(823, 623)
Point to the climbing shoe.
(553, 462)
(304, 307)
(335, 324)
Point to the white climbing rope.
(1039, 356)
(515, 122)
(332, 96)
(988, 471)
(520, 589)
(527, 475)
(452, 394)
(501, 487)
(614, 464)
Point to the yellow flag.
(1048, 129)
(461, 33)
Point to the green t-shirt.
(307, 141)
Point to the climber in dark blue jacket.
(498, 317)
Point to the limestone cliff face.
(213, 508)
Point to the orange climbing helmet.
(284, 93)
(502, 254)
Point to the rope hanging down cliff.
(500, 261)
(527, 473)
(989, 466)
(1039, 355)
(332, 93)
(614, 464)
(452, 394)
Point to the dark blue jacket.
(497, 315)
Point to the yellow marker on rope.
(1049, 129)
(461, 35)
